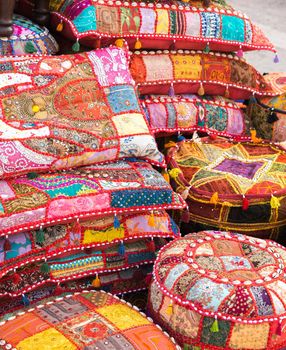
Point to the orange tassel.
(254, 138)
(214, 198)
(138, 45)
(119, 42)
(201, 90)
(166, 176)
(96, 282)
(151, 220)
(60, 27)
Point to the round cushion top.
(231, 276)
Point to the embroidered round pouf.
(87, 321)
(232, 186)
(220, 290)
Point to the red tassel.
(76, 227)
(7, 245)
(151, 246)
(245, 203)
(58, 290)
(148, 279)
(16, 278)
(213, 136)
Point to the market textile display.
(183, 71)
(237, 186)
(81, 321)
(28, 38)
(268, 114)
(221, 290)
(66, 111)
(214, 115)
(158, 25)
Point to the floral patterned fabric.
(68, 111)
(27, 38)
(188, 113)
(196, 72)
(221, 290)
(99, 233)
(233, 186)
(88, 192)
(74, 265)
(173, 23)
(86, 320)
(269, 114)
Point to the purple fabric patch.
(263, 301)
(75, 9)
(148, 19)
(236, 167)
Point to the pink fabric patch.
(235, 122)
(158, 115)
(193, 24)
(22, 218)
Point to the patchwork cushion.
(188, 113)
(55, 241)
(164, 72)
(159, 25)
(86, 320)
(74, 265)
(131, 280)
(70, 110)
(88, 192)
(27, 38)
(221, 290)
(234, 186)
(268, 114)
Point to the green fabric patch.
(215, 338)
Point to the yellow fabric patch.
(131, 123)
(248, 336)
(122, 316)
(187, 66)
(162, 26)
(50, 339)
(110, 234)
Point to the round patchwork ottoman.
(232, 186)
(88, 321)
(268, 114)
(221, 290)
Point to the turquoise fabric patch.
(86, 20)
(122, 99)
(233, 28)
(172, 115)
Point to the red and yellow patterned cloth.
(221, 290)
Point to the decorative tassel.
(76, 227)
(272, 117)
(96, 282)
(240, 53)
(185, 193)
(174, 172)
(119, 42)
(116, 222)
(166, 176)
(58, 290)
(76, 46)
(40, 236)
(148, 279)
(45, 268)
(207, 48)
(121, 248)
(151, 245)
(274, 202)
(32, 175)
(201, 90)
(185, 217)
(138, 44)
(279, 328)
(25, 300)
(254, 138)
(213, 136)
(16, 278)
(181, 137)
(7, 245)
(97, 43)
(173, 45)
(276, 58)
(60, 27)
(226, 93)
(214, 328)
(30, 48)
(151, 220)
(172, 91)
(245, 203)
(170, 144)
(169, 310)
(214, 198)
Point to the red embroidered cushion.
(164, 72)
(66, 111)
(221, 290)
(188, 113)
(159, 25)
(81, 321)
(88, 192)
(237, 186)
